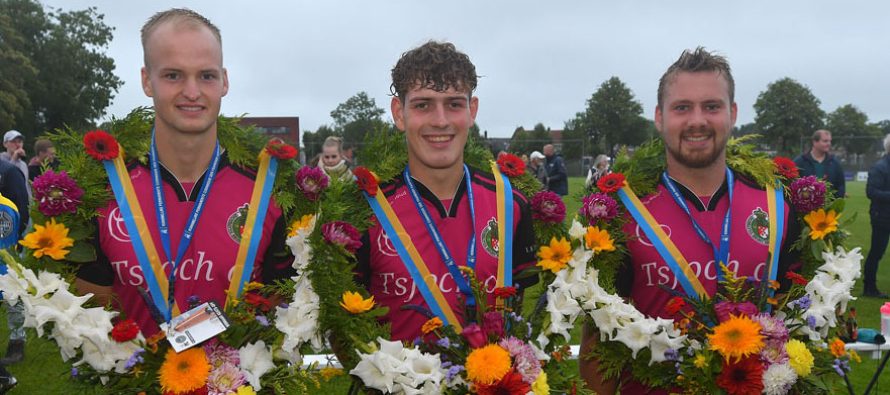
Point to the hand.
(19, 153)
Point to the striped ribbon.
(776, 206)
(505, 227)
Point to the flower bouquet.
(261, 349)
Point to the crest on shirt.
(6, 225)
(757, 226)
(384, 245)
(236, 221)
(490, 237)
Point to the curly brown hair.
(435, 65)
(697, 61)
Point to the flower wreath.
(251, 355)
(329, 304)
(772, 352)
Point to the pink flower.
(56, 193)
(219, 353)
(342, 234)
(493, 324)
(311, 181)
(548, 207)
(474, 335)
(225, 379)
(807, 194)
(524, 360)
(599, 206)
(725, 309)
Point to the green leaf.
(81, 252)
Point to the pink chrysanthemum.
(599, 206)
(342, 233)
(524, 360)
(772, 328)
(311, 181)
(56, 193)
(807, 194)
(225, 379)
(548, 207)
(219, 353)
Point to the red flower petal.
(280, 150)
(101, 145)
(125, 330)
(366, 180)
(611, 183)
(511, 165)
(786, 167)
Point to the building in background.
(285, 128)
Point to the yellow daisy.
(737, 337)
(354, 303)
(300, 224)
(184, 372)
(700, 361)
(488, 364)
(821, 223)
(50, 239)
(555, 256)
(598, 240)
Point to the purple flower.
(599, 206)
(342, 234)
(474, 335)
(841, 367)
(444, 343)
(311, 181)
(493, 324)
(56, 193)
(74, 372)
(218, 353)
(807, 194)
(134, 359)
(548, 207)
(671, 355)
(811, 322)
(771, 327)
(453, 372)
(225, 379)
(524, 360)
(193, 301)
(803, 303)
(262, 320)
(725, 309)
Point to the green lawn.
(43, 372)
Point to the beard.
(698, 159)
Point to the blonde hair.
(181, 16)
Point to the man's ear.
(395, 106)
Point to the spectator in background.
(12, 187)
(557, 178)
(600, 168)
(14, 143)
(332, 161)
(536, 164)
(45, 157)
(878, 191)
(820, 163)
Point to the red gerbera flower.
(510, 384)
(796, 278)
(742, 378)
(258, 301)
(786, 167)
(611, 182)
(101, 145)
(675, 305)
(281, 150)
(366, 180)
(125, 330)
(504, 292)
(511, 165)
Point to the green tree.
(15, 70)
(526, 141)
(74, 81)
(883, 127)
(850, 129)
(613, 117)
(355, 117)
(787, 112)
(312, 141)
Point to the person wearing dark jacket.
(557, 178)
(820, 163)
(12, 187)
(878, 191)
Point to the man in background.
(557, 178)
(14, 143)
(820, 163)
(45, 157)
(878, 191)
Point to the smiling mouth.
(439, 139)
(190, 108)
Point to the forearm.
(102, 294)
(590, 367)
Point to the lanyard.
(161, 210)
(433, 231)
(721, 253)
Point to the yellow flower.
(300, 224)
(431, 325)
(540, 386)
(700, 361)
(245, 390)
(855, 356)
(555, 256)
(354, 303)
(185, 371)
(51, 239)
(488, 364)
(837, 348)
(821, 223)
(329, 373)
(800, 358)
(253, 285)
(598, 240)
(737, 337)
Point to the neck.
(819, 156)
(185, 155)
(701, 181)
(441, 182)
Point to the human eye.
(681, 107)
(208, 76)
(712, 107)
(457, 104)
(171, 75)
(420, 105)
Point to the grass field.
(43, 372)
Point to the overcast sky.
(539, 60)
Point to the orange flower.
(431, 325)
(837, 348)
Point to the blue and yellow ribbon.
(505, 227)
(776, 206)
